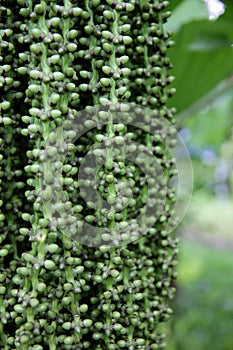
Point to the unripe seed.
(117, 327)
(43, 223)
(41, 287)
(98, 325)
(73, 33)
(83, 308)
(72, 47)
(68, 340)
(125, 71)
(110, 178)
(2, 290)
(18, 308)
(37, 347)
(66, 300)
(7, 121)
(76, 11)
(67, 325)
(56, 113)
(3, 252)
(129, 7)
(26, 217)
(36, 48)
(54, 59)
(34, 302)
(36, 33)
(96, 336)
(127, 40)
(121, 343)
(49, 265)
(87, 323)
(83, 87)
(35, 74)
(70, 86)
(106, 69)
(107, 47)
(58, 76)
(103, 101)
(5, 105)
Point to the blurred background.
(203, 66)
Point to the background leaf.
(186, 12)
(203, 54)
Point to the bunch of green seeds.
(56, 59)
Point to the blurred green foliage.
(209, 140)
(209, 216)
(203, 55)
(203, 309)
(203, 67)
(211, 125)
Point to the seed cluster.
(58, 58)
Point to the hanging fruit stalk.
(58, 58)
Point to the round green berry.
(83, 308)
(97, 336)
(49, 265)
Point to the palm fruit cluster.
(58, 58)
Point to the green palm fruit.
(58, 58)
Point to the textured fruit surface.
(58, 58)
